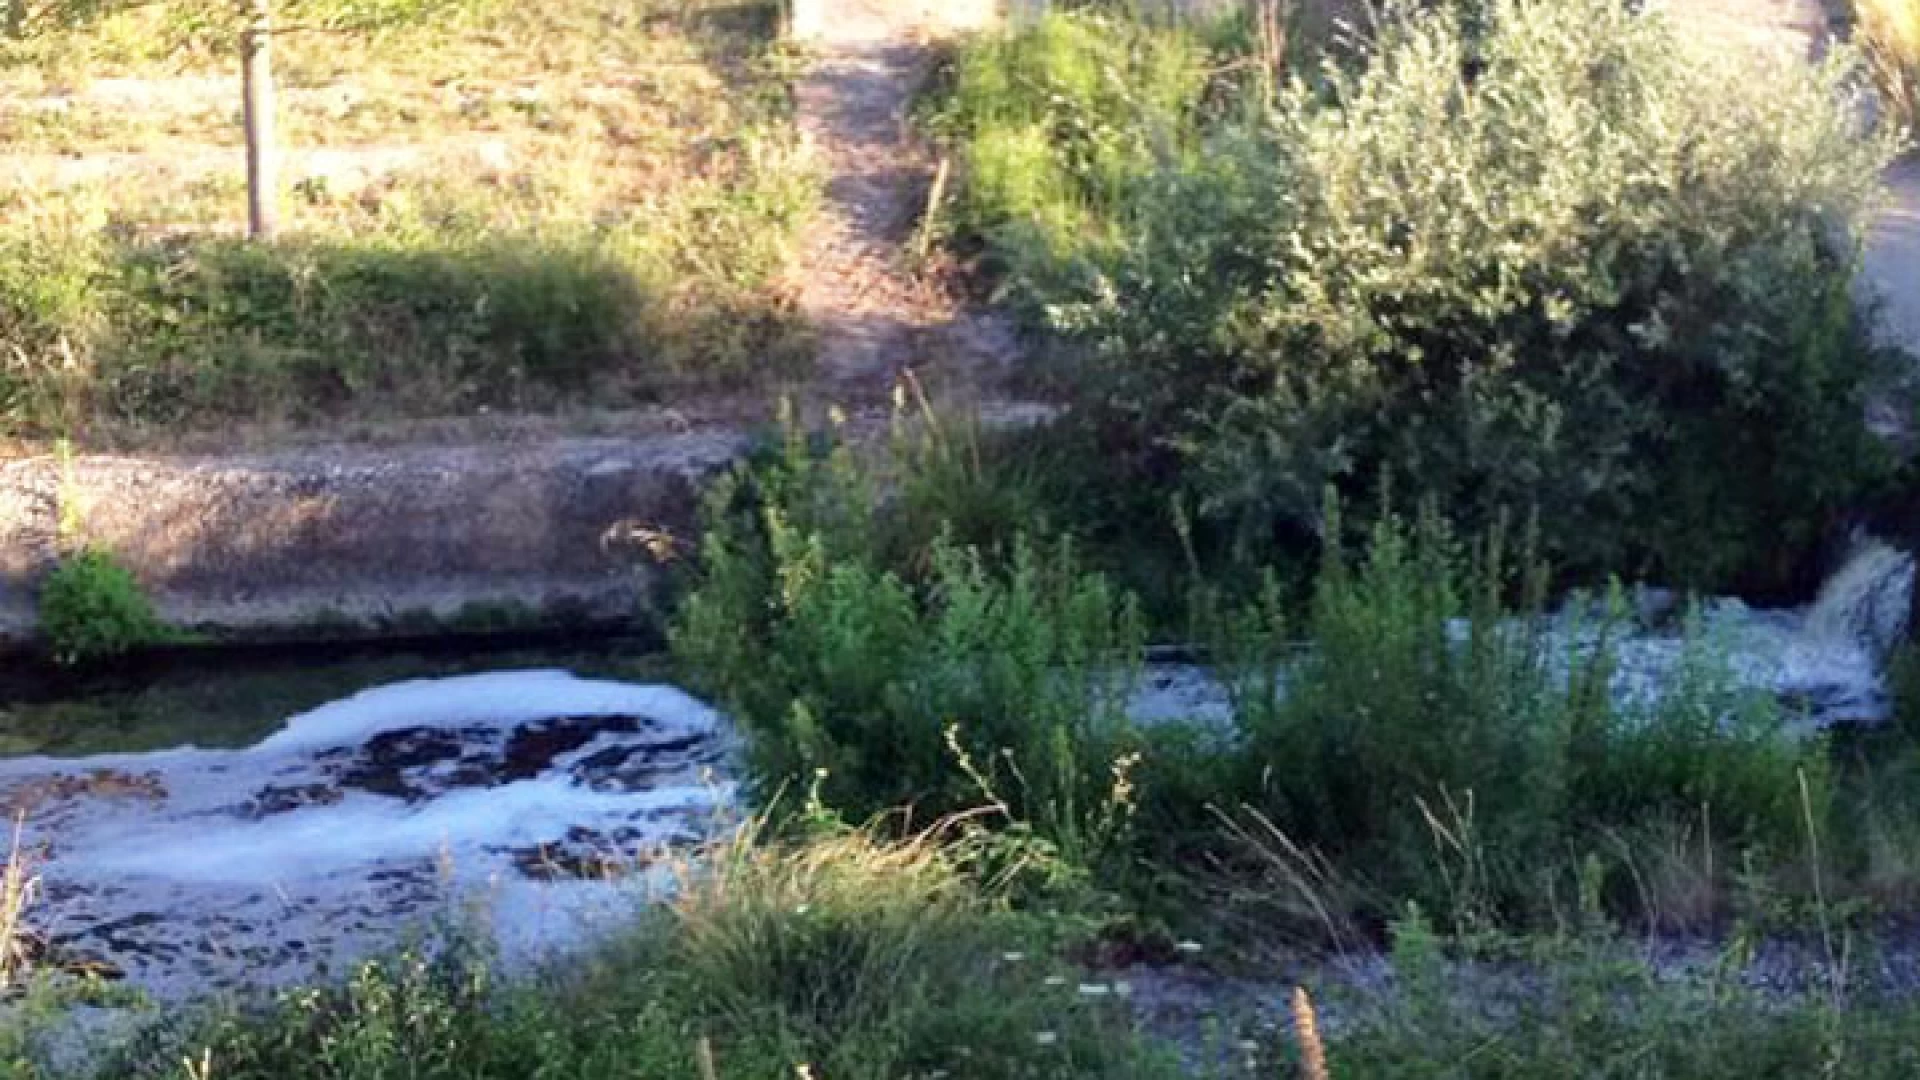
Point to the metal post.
(263, 183)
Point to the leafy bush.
(987, 674)
(92, 609)
(1567, 262)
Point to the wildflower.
(1013, 957)
(1094, 990)
(1056, 980)
(1187, 947)
(1046, 1038)
(1122, 989)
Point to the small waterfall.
(1865, 602)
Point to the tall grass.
(845, 953)
(1442, 738)
(1889, 31)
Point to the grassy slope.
(503, 206)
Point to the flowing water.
(1822, 663)
(529, 794)
(542, 803)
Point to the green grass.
(488, 209)
(839, 954)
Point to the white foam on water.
(464, 828)
(491, 698)
(200, 868)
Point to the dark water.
(233, 695)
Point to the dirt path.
(1893, 256)
(1799, 27)
(874, 314)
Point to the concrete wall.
(277, 540)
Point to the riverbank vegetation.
(487, 207)
(1360, 371)
(1554, 255)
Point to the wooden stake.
(263, 173)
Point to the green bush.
(1061, 124)
(972, 674)
(1447, 747)
(1572, 262)
(92, 609)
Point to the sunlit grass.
(1890, 32)
(501, 207)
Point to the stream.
(242, 828)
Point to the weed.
(843, 953)
(985, 674)
(18, 886)
(1431, 742)
(92, 609)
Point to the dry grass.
(18, 886)
(580, 109)
(508, 206)
(1889, 30)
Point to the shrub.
(92, 609)
(981, 674)
(1450, 749)
(1569, 262)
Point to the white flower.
(1013, 957)
(1056, 980)
(1094, 989)
(1188, 947)
(1046, 1038)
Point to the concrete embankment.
(342, 536)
